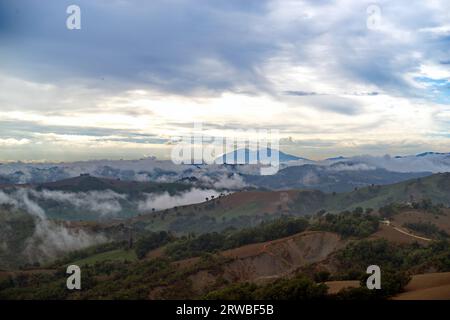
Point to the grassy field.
(113, 255)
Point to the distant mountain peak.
(283, 157)
(337, 158)
(430, 153)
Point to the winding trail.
(389, 224)
(410, 234)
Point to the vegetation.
(392, 283)
(152, 241)
(81, 255)
(110, 280)
(427, 229)
(212, 242)
(15, 228)
(122, 270)
(425, 205)
(348, 224)
(428, 206)
(297, 288)
(391, 257)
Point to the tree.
(299, 288)
(150, 242)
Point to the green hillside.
(236, 211)
(248, 208)
(435, 188)
(85, 183)
(15, 228)
(205, 267)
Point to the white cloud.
(13, 142)
(104, 202)
(165, 200)
(49, 238)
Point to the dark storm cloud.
(171, 45)
(208, 47)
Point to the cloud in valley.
(49, 238)
(165, 200)
(104, 202)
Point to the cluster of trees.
(212, 242)
(427, 229)
(348, 224)
(390, 210)
(424, 205)
(297, 288)
(126, 281)
(267, 231)
(303, 288)
(428, 206)
(392, 257)
(393, 282)
(90, 251)
(151, 241)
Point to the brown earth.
(393, 235)
(263, 262)
(396, 232)
(336, 286)
(280, 257)
(414, 216)
(430, 286)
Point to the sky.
(346, 77)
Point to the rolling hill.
(215, 214)
(248, 208)
(86, 183)
(91, 198)
(313, 257)
(338, 177)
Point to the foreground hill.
(285, 259)
(430, 286)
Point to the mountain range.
(334, 174)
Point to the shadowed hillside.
(338, 177)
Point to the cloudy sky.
(334, 77)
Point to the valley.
(221, 243)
